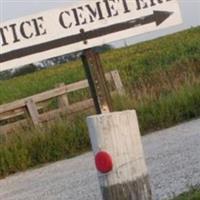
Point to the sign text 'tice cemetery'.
(84, 25)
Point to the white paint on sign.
(84, 25)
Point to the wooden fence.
(31, 110)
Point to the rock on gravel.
(172, 156)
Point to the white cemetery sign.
(86, 24)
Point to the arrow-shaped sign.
(157, 17)
(81, 26)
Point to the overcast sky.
(10, 9)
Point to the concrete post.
(119, 156)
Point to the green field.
(162, 82)
(161, 78)
(141, 67)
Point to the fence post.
(118, 83)
(33, 112)
(119, 156)
(63, 101)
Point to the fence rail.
(29, 110)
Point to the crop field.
(162, 82)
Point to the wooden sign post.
(116, 141)
(119, 157)
(97, 81)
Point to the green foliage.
(165, 111)
(33, 146)
(162, 82)
(193, 194)
(174, 108)
(133, 63)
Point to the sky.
(11, 9)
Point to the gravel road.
(172, 155)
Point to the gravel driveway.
(172, 155)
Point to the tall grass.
(33, 146)
(133, 63)
(165, 111)
(162, 82)
(193, 194)
(68, 137)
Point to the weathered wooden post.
(33, 112)
(97, 81)
(118, 83)
(119, 156)
(63, 101)
(116, 141)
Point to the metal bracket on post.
(97, 82)
(82, 34)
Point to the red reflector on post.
(103, 162)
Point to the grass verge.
(30, 147)
(193, 194)
(162, 82)
(68, 137)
